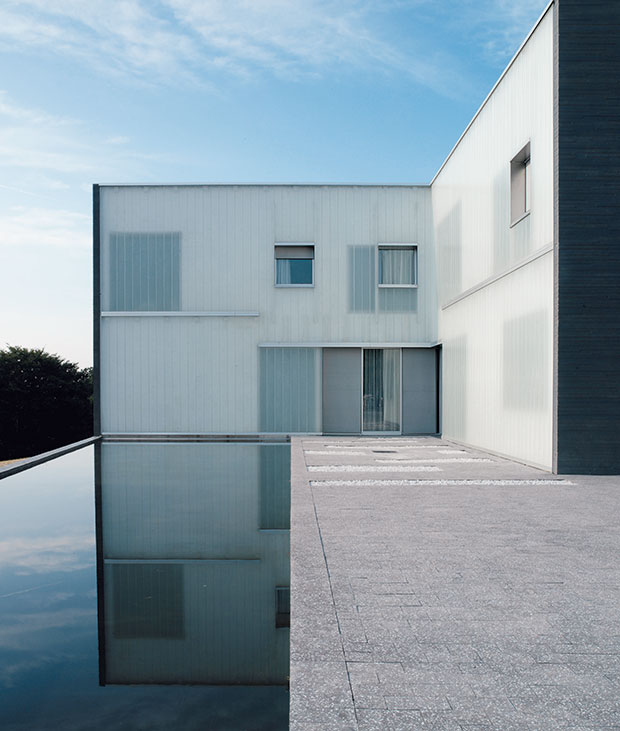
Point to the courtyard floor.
(438, 587)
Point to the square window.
(398, 265)
(520, 185)
(294, 265)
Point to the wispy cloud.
(42, 555)
(199, 41)
(496, 27)
(42, 154)
(25, 226)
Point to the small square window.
(294, 265)
(520, 185)
(398, 265)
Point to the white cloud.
(32, 226)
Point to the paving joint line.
(331, 591)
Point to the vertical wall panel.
(342, 390)
(419, 391)
(497, 362)
(497, 375)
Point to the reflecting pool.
(189, 628)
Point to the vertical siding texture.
(497, 361)
(497, 375)
(201, 374)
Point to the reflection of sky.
(48, 624)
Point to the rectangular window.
(144, 272)
(294, 265)
(398, 266)
(520, 185)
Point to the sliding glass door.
(381, 390)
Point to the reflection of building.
(194, 550)
(243, 309)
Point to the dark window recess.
(520, 184)
(283, 606)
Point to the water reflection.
(49, 673)
(194, 557)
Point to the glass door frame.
(363, 432)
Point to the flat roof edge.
(263, 185)
(495, 85)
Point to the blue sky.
(216, 91)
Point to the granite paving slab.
(481, 594)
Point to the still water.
(175, 618)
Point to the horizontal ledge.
(143, 437)
(177, 560)
(495, 278)
(372, 346)
(26, 464)
(520, 218)
(179, 314)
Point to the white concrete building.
(456, 308)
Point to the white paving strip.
(380, 445)
(369, 468)
(398, 483)
(331, 454)
(434, 460)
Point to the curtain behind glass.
(381, 395)
(294, 271)
(283, 271)
(397, 266)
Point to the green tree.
(45, 402)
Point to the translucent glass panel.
(288, 390)
(397, 266)
(397, 274)
(144, 271)
(525, 356)
(397, 299)
(362, 282)
(381, 390)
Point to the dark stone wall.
(587, 217)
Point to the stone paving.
(477, 595)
